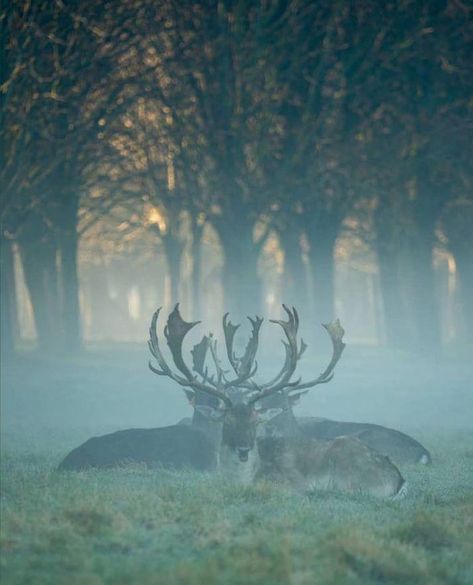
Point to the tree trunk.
(8, 318)
(41, 278)
(98, 301)
(422, 293)
(197, 232)
(68, 245)
(241, 284)
(464, 264)
(322, 265)
(394, 309)
(390, 244)
(457, 222)
(295, 274)
(173, 249)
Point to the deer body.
(237, 407)
(396, 445)
(343, 464)
(231, 401)
(172, 447)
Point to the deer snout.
(243, 453)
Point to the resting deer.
(398, 446)
(345, 463)
(172, 447)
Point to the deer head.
(239, 398)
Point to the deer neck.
(211, 429)
(242, 472)
(285, 424)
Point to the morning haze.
(298, 161)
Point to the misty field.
(134, 525)
(137, 526)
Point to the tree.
(58, 90)
(404, 137)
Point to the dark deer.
(239, 408)
(172, 447)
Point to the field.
(133, 525)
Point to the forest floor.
(134, 525)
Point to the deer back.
(172, 447)
(343, 464)
(398, 446)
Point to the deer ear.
(213, 414)
(265, 415)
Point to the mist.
(107, 385)
(307, 163)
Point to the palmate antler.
(282, 382)
(245, 366)
(175, 331)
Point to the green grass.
(151, 528)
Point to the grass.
(135, 526)
(138, 526)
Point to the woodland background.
(234, 155)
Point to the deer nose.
(243, 453)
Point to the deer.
(205, 446)
(174, 447)
(398, 446)
(241, 407)
(401, 448)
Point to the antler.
(246, 366)
(293, 354)
(175, 332)
(336, 332)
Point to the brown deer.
(398, 446)
(345, 463)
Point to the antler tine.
(293, 353)
(155, 350)
(165, 370)
(199, 353)
(175, 331)
(216, 360)
(246, 366)
(229, 331)
(287, 359)
(336, 332)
